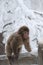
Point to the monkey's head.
(24, 32)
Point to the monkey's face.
(25, 35)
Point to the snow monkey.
(15, 41)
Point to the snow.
(18, 14)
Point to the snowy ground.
(14, 14)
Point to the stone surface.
(2, 46)
(24, 59)
(40, 52)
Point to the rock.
(24, 59)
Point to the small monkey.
(15, 41)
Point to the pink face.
(26, 35)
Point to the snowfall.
(16, 13)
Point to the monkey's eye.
(26, 32)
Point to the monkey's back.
(14, 38)
(13, 43)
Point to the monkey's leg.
(17, 56)
(17, 53)
(9, 54)
(10, 60)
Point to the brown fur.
(15, 42)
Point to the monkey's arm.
(27, 45)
